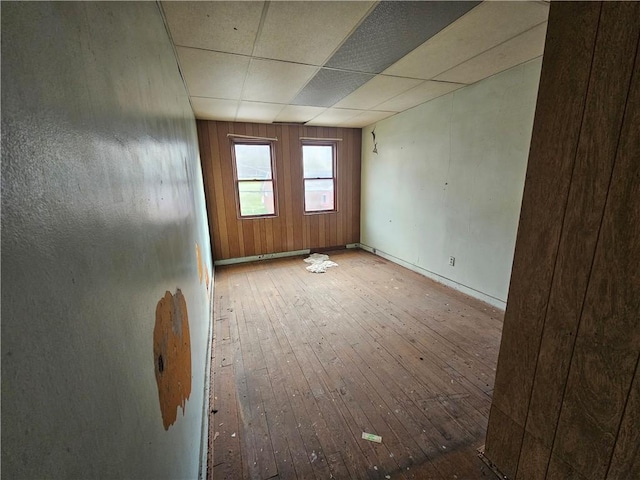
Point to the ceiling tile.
(375, 91)
(392, 30)
(307, 32)
(275, 81)
(424, 92)
(258, 112)
(334, 116)
(222, 26)
(214, 108)
(484, 27)
(366, 118)
(213, 74)
(298, 113)
(329, 87)
(524, 47)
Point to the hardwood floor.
(304, 363)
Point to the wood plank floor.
(304, 363)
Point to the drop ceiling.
(347, 64)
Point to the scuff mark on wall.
(172, 355)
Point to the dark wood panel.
(608, 341)
(605, 104)
(625, 464)
(315, 360)
(291, 229)
(563, 87)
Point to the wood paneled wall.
(291, 230)
(566, 402)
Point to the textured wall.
(447, 181)
(291, 230)
(567, 388)
(102, 207)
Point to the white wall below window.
(448, 179)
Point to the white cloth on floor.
(319, 263)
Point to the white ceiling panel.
(213, 74)
(427, 90)
(221, 26)
(366, 118)
(258, 112)
(487, 25)
(298, 113)
(334, 116)
(307, 32)
(214, 108)
(518, 50)
(376, 91)
(275, 81)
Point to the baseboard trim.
(492, 466)
(472, 292)
(266, 256)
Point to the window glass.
(318, 167)
(254, 179)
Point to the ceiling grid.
(343, 63)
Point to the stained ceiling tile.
(214, 108)
(524, 47)
(212, 74)
(258, 112)
(334, 116)
(275, 81)
(221, 26)
(366, 118)
(330, 86)
(484, 27)
(375, 91)
(298, 113)
(307, 32)
(427, 90)
(392, 30)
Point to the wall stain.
(199, 259)
(172, 355)
(206, 278)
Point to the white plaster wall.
(102, 204)
(448, 181)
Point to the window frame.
(237, 181)
(334, 170)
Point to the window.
(318, 167)
(253, 168)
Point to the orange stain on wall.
(172, 355)
(199, 259)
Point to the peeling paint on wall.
(199, 259)
(172, 355)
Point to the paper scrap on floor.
(319, 263)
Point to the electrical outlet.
(452, 261)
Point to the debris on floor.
(371, 437)
(319, 263)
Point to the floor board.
(304, 363)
